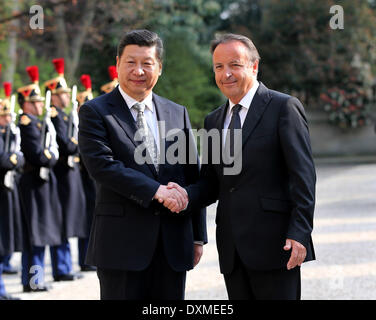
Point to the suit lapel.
(219, 125)
(164, 126)
(123, 115)
(256, 110)
(163, 115)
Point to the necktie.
(147, 135)
(235, 123)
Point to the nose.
(138, 70)
(228, 73)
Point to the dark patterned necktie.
(235, 123)
(146, 133)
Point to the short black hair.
(142, 38)
(228, 37)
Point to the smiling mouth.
(228, 83)
(138, 81)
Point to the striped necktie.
(146, 133)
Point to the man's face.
(34, 108)
(138, 70)
(60, 100)
(5, 120)
(234, 72)
(65, 99)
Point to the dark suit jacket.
(127, 221)
(273, 197)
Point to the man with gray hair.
(265, 213)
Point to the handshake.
(173, 197)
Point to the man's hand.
(198, 250)
(173, 206)
(298, 253)
(172, 198)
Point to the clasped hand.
(173, 197)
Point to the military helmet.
(58, 84)
(86, 95)
(109, 86)
(5, 103)
(30, 92)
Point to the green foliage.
(187, 28)
(348, 107)
(187, 82)
(299, 51)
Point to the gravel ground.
(344, 237)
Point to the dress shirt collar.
(148, 101)
(246, 101)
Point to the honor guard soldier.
(38, 183)
(12, 227)
(67, 171)
(8, 268)
(88, 183)
(109, 86)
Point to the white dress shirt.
(150, 113)
(245, 102)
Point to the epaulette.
(54, 112)
(25, 120)
(13, 159)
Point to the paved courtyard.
(344, 237)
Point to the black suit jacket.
(127, 221)
(273, 197)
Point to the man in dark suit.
(141, 249)
(265, 212)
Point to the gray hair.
(229, 37)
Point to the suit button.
(232, 189)
(156, 213)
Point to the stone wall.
(330, 141)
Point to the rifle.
(9, 146)
(46, 136)
(73, 124)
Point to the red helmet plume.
(86, 81)
(112, 72)
(7, 89)
(59, 65)
(33, 72)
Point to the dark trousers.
(61, 260)
(33, 266)
(7, 266)
(157, 282)
(82, 249)
(2, 286)
(245, 284)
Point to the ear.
(255, 67)
(160, 68)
